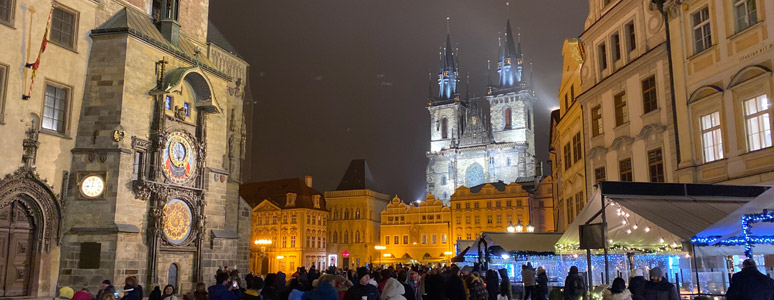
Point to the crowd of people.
(414, 282)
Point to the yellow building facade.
(416, 232)
(355, 209)
(289, 221)
(724, 53)
(569, 165)
(488, 207)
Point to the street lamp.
(530, 227)
(510, 228)
(380, 248)
(519, 227)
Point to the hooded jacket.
(221, 292)
(662, 290)
(324, 291)
(750, 284)
(393, 290)
(608, 295)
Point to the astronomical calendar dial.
(179, 158)
(177, 221)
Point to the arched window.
(443, 180)
(357, 236)
(346, 237)
(445, 195)
(357, 213)
(346, 214)
(335, 214)
(507, 118)
(445, 128)
(335, 237)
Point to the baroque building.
(566, 149)
(355, 210)
(289, 224)
(723, 53)
(471, 144)
(125, 114)
(415, 233)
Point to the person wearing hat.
(659, 288)
(476, 288)
(541, 288)
(750, 284)
(528, 278)
(362, 288)
(107, 290)
(574, 286)
(66, 292)
(637, 284)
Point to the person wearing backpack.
(574, 287)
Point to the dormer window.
(291, 199)
(316, 201)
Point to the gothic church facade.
(472, 144)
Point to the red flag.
(36, 64)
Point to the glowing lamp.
(386, 255)
(256, 242)
(519, 227)
(448, 253)
(505, 256)
(380, 247)
(530, 228)
(345, 254)
(280, 257)
(510, 228)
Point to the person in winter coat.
(528, 277)
(155, 294)
(132, 290)
(223, 289)
(65, 293)
(541, 289)
(492, 284)
(505, 285)
(270, 290)
(323, 291)
(658, 288)
(574, 287)
(362, 287)
(83, 294)
(435, 286)
(409, 293)
(199, 293)
(254, 286)
(750, 284)
(169, 293)
(475, 285)
(107, 290)
(393, 290)
(637, 285)
(455, 288)
(617, 291)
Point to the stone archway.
(30, 220)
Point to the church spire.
(510, 63)
(449, 71)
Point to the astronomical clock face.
(177, 221)
(179, 158)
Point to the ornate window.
(656, 165)
(625, 169)
(702, 35)
(445, 128)
(621, 109)
(396, 240)
(596, 120)
(335, 237)
(577, 147)
(711, 138)
(599, 174)
(758, 123)
(346, 214)
(292, 241)
(357, 214)
(745, 14)
(508, 118)
(293, 219)
(649, 98)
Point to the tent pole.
(604, 233)
(588, 271)
(695, 268)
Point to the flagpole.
(29, 45)
(36, 64)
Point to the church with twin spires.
(472, 143)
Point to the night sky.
(338, 80)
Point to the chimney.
(308, 180)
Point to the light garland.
(748, 240)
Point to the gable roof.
(357, 177)
(276, 191)
(215, 36)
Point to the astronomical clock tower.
(155, 171)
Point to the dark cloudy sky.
(337, 80)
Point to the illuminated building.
(289, 223)
(494, 206)
(471, 144)
(355, 215)
(567, 136)
(416, 232)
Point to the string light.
(647, 229)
